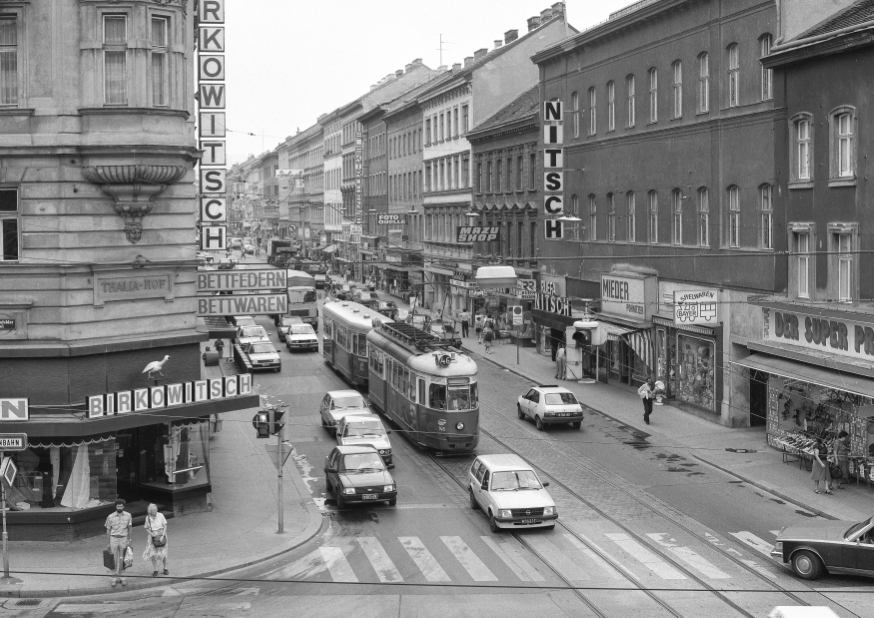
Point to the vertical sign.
(553, 175)
(359, 171)
(211, 125)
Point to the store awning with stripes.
(642, 344)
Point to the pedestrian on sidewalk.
(820, 473)
(464, 316)
(487, 338)
(647, 393)
(118, 528)
(478, 327)
(560, 362)
(842, 452)
(156, 539)
(220, 348)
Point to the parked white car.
(510, 493)
(361, 429)
(549, 404)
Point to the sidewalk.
(240, 530)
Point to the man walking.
(464, 316)
(118, 529)
(220, 348)
(647, 393)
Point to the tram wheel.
(519, 412)
(538, 423)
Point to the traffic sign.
(8, 470)
(286, 451)
(13, 441)
(517, 315)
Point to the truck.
(301, 299)
(277, 247)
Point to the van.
(510, 493)
(365, 429)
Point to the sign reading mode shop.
(840, 337)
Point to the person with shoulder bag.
(156, 541)
(820, 472)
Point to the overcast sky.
(300, 58)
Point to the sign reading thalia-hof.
(248, 304)
(168, 395)
(553, 164)
(629, 295)
(695, 307)
(477, 233)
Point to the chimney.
(468, 61)
(408, 68)
(558, 9)
(545, 15)
(480, 53)
(510, 35)
(442, 67)
(399, 72)
(456, 66)
(533, 23)
(416, 62)
(498, 43)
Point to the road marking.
(748, 538)
(774, 532)
(558, 559)
(510, 552)
(429, 566)
(308, 566)
(758, 568)
(337, 564)
(382, 564)
(473, 565)
(644, 556)
(688, 556)
(605, 566)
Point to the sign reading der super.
(168, 395)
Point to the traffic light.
(275, 421)
(261, 423)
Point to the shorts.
(478, 329)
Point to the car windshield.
(517, 479)
(302, 329)
(262, 348)
(252, 331)
(365, 428)
(351, 401)
(290, 321)
(856, 527)
(558, 399)
(362, 462)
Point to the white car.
(361, 429)
(549, 404)
(262, 355)
(337, 404)
(301, 337)
(510, 493)
(248, 334)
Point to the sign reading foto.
(695, 307)
(389, 219)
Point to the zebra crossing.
(531, 559)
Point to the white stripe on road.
(337, 565)
(760, 545)
(475, 567)
(688, 556)
(605, 566)
(510, 552)
(432, 571)
(382, 564)
(308, 566)
(557, 558)
(644, 556)
(774, 532)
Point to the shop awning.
(803, 372)
(329, 249)
(641, 342)
(615, 333)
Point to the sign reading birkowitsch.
(248, 304)
(695, 307)
(168, 395)
(17, 409)
(224, 280)
(475, 233)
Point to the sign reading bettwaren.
(249, 304)
(839, 337)
(168, 395)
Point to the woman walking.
(842, 452)
(487, 338)
(156, 542)
(820, 473)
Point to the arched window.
(842, 147)
(611, 106)
(653, 199)
(703, 217)
(611, 218)
(765, 43)
(631, 232)
(593, 125)
(733, 76)
(575, 104)
(767, 208)
(802, 147)
(653, 95)
(733, 216)
(593, 218)
(629, 87)
(677, 89)
(677, 210)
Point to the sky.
(298, 59)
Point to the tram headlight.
(459, 425)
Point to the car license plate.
(528, 521)
(368, 497)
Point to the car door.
(525, 404)
(323, 409)
(331, 464)
(482, 495)
(533, 403)
(860, 555)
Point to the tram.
(425, 386)
(344, 331)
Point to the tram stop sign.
(517, 315)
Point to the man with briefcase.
(118, 529)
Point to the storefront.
(811, 376)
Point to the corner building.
(97, 278)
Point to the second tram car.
(344, 338)
(424, 386)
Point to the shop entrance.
(758, 398)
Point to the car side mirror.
(388, 431)
(546, 484)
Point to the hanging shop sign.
(628, 295)
(359, 175)
(389, 219)
(695, 307)
(553, 176)
(17, 409)
(168, 395)
(220, 281)
(475, 233)
(840, 337)
(525, 289)
(248, 304)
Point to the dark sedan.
(358, 474)
(814, 548)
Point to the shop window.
(115, 59)
(63, 476)
(695, 383)
(8, 60)
(9, 245)
(171, 455)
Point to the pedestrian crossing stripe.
(751, 540)
(688, 556)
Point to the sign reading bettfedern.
(249, 304)
(241, 280)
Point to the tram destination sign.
(13, 441)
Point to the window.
(703, 217)
(455, 122)
(8, 61)
(631, 232)
(653, 95)
(611, 106)
(767, 216)
(519, 173)
(509, 179)
(464, 119)
(843, 245)
(803, 245)
(767, 74)
(653, 217)
(611, 218)
(703, 83)
(532, 171)
(593, 125)
(593, 218)
(843, 139)
(575, 104)
(677, 88)
(465, 171)
(8, 224)
(733, 217)
(802, 151)
(489, 187)
(733, 76)
(159, 61)
(479, 178)
(677, 209)
(629, 86)
(500, 184)
(427, 131)
(115, 59)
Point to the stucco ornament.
(132, 189)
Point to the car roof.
(505, 461)
(344, 393)
(351, 418)
(552, 388)
(354, 449)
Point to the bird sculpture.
(155, 366)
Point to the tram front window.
(437, 396)
(459, 398)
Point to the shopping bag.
(109, 559)
(128, 557)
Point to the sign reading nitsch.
(15, 409)
(223, 280)
(168, 395)
(249, 304)
(475, 233)
(553, 163)
(13, 441)
(695, 307)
